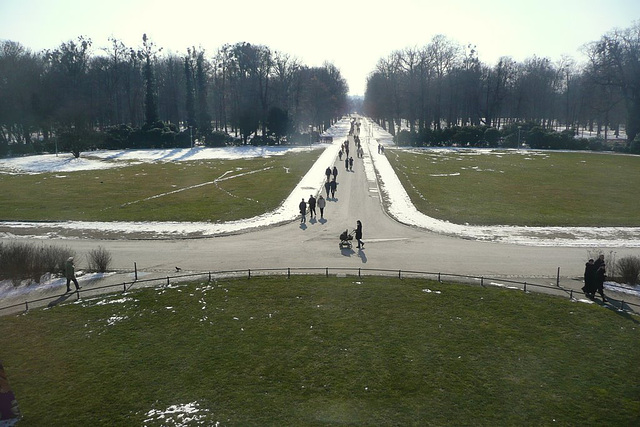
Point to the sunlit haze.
(353, 35)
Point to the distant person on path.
(335, 172)
(303, 211)
(589, 287)
(328, 173)
(334, 185)
(70, 274)
(599, 281)
(359, 235)
(351, 164)
(346, 163)
(327, 187)
(340, 154)
(312, 206)
(321, 204)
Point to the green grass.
(522, 188)
(325, 351)
(149, 192)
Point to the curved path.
(389, 244)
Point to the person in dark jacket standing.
(335, 172)
(346, 163)
(303, 211)
(589, 287)
(312, 206)
(359, 235)
(351, 164)
(327, 187)
(327, 172)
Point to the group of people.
(348, 161)
(594, 277)
(320, 202)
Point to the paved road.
(389, 245)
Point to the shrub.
(99, 260)
(216, 139)
(20, 261)
(629, 269)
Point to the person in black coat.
(303, 211)
(327, 187)
(335, 172)
(589, 287)
(599, 281)
(334, 185)
(359, 235)
(312, 206)
(327, 172)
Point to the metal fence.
(556, 289)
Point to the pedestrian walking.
(346, 163)
(334, 185)
(599, 280)
(327, 187)
(327, 172)
(340, 154)
(359, 235)
(70, 274)
(303, 211)
(312, 206)
(321, 204)
(351, 164)
(589, 287)
(335, 173)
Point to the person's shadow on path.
(322, 220)
(303, 225)
(362, 256)
(62, 298)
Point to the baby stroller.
(345, 239)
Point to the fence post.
(168, 283)
(288, 272)
(399, 274)
(359, 277)
(124, 287)
(209, 277)
(135, 269)
(558, 278)
(439, 279)
(26, 306)
(571, 294)
(525, 286)
(482, 281)
(249, 274)
(327, 271)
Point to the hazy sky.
(351, 34)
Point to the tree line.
(75, 97)
(444, 85)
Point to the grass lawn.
(324, 351)
(528, 188)
(172, 191)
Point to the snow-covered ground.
(396, 198)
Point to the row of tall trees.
(75, 91)
(444, 84)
